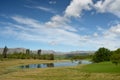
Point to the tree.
(51, 57)
(102, 54)
(27, 51)
(39, 52)
(115, 58)
(5, 52)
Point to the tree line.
(104, 54)
(26, 55)
(101, 55)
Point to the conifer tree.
(5, 52)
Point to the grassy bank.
(103, 67)
(80, 72)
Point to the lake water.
(55, 64)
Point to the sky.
(60, 25)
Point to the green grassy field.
(104, 67)
(101, 71)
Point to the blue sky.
(60, 25)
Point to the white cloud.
(53, 43)
(95, 34)
(110, 37)
(113, 34)
(33, 30)
(60, 22)
(52, 2)
(58, 30)
(111, 6)
(76, 6)
(81, 28)
(73, 10)
(46, 9)
(57, 21)
(27, 21)
(115, 29)
(99, 28)
(8, 31)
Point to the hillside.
(23, 50)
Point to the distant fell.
(23, 50)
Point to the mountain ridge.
(12, 50)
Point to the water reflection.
(56, 64)
(44, 65)
(50, 65)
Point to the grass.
(80, 72)
(103, 67)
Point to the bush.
(115, 58)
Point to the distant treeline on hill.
(20, 53)
(23, 50)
